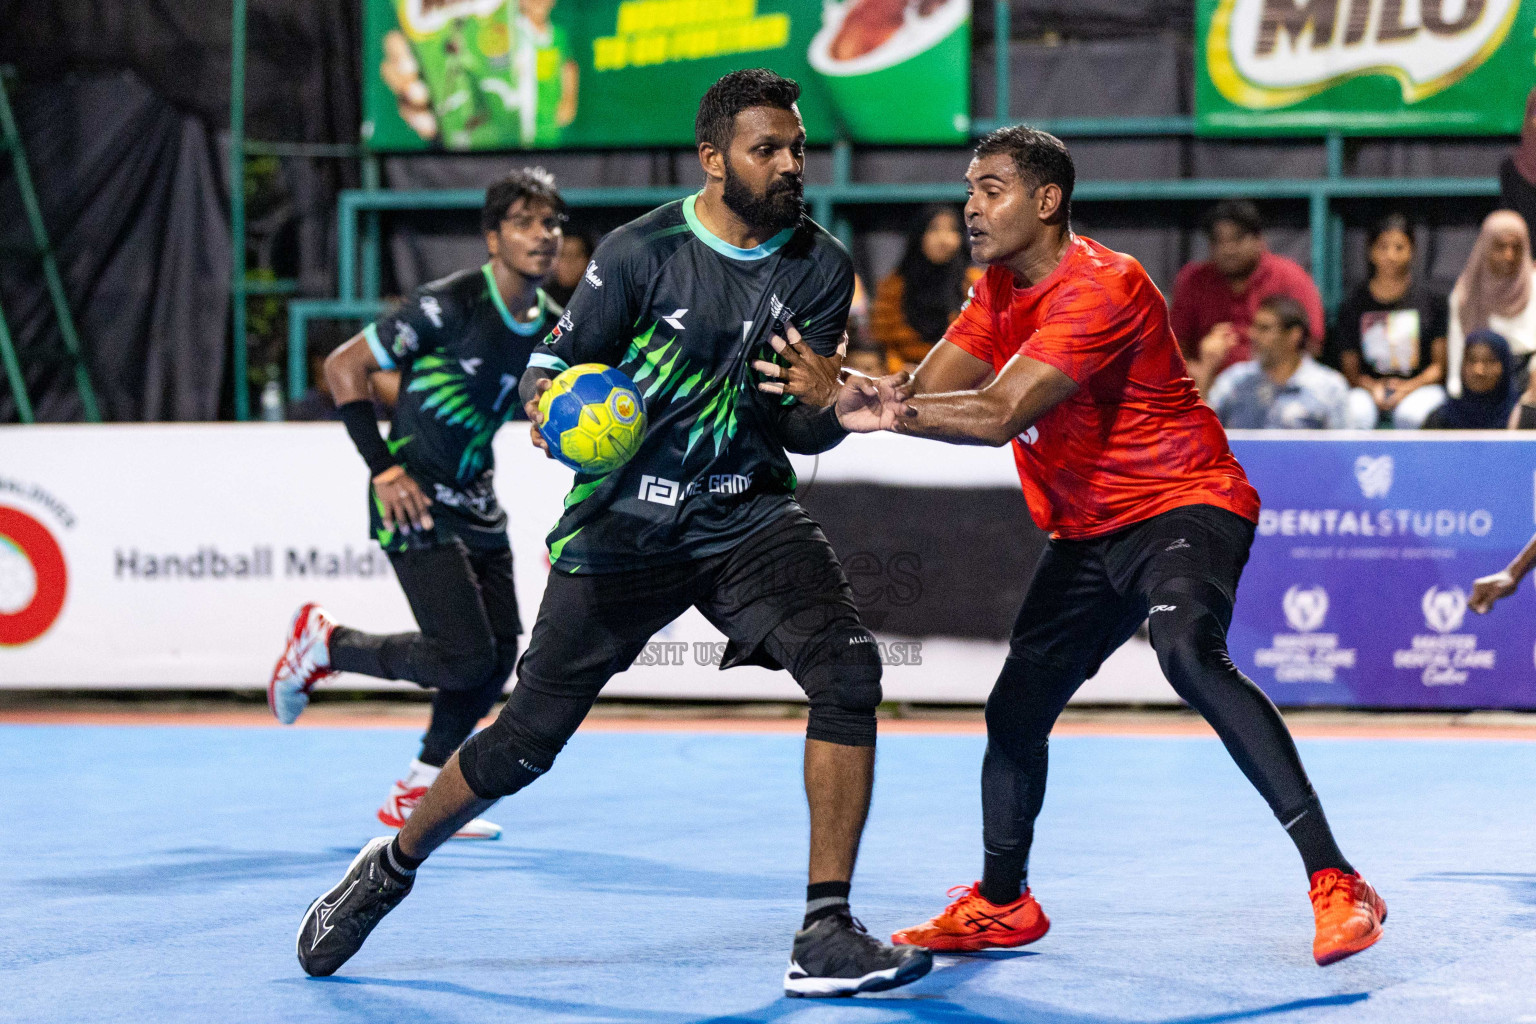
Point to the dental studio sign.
(1359, 584)
(1366, 66)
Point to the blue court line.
(158, 874)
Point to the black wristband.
(364, 429)
(826, 429)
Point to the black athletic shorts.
(772, 596)
(1089, 596)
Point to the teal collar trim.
(513, 324)
(725, 248)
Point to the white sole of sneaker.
(804, 986)
(369, 847)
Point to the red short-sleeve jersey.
(1135, 440)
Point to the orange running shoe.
(1349, 915)
(971, 923)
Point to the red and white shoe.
(306, 661)
(402, 800)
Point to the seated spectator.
(1494, 291)
(1487, 388)
(1517, 174)
(1389, 338)
(917, 301)
(864, 353)
(1214, 301)
(576, 250)
(1282, 386)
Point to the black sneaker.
(336, 924)
(835, 956)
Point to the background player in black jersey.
(683, 300)
(460, 346)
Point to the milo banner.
(1356, 592)
(1364, 66)
(521, 74)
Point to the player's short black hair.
(1041, 158)
(1290, 313)
(735, 92)
(534, 184)
(1239, 212)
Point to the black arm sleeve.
(528, 386)
(805, 430)
(364, 430)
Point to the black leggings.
(465, 603)
(1088, 599)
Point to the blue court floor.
(158, 874)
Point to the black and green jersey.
(684, 314)
(460, 353)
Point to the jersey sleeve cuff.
(547, 361)
(969, 345)
(380, 353)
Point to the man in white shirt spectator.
(1282, 386)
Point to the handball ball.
(593, 418)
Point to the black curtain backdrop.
(130, 191)
(123, 108)
(302, 56)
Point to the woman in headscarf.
(1517, 174)
(915, 304)
(1487, 388)
(1495, 291)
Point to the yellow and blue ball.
(593, 418)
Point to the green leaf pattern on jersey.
(448, 399)
(660, 362)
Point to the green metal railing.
(359, 211)
(300, 313)
(41, 248)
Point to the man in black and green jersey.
(684, 300)
(460, 346)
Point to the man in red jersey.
(1065, 350)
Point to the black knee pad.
(500, 760)
(840, 673)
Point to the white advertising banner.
(171, 555)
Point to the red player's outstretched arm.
(948, 367)
(995, 414)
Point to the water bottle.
(272, 402)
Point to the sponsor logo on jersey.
(660, 490)
(433, 309)
(721, 483)
(406, 339)
(1162, 608)
(1030, 436)
(1374, 475)
(782, 314)
(675, 321)
(591, 275)
(471, 365)
(1179, 545)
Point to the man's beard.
(781, 208)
